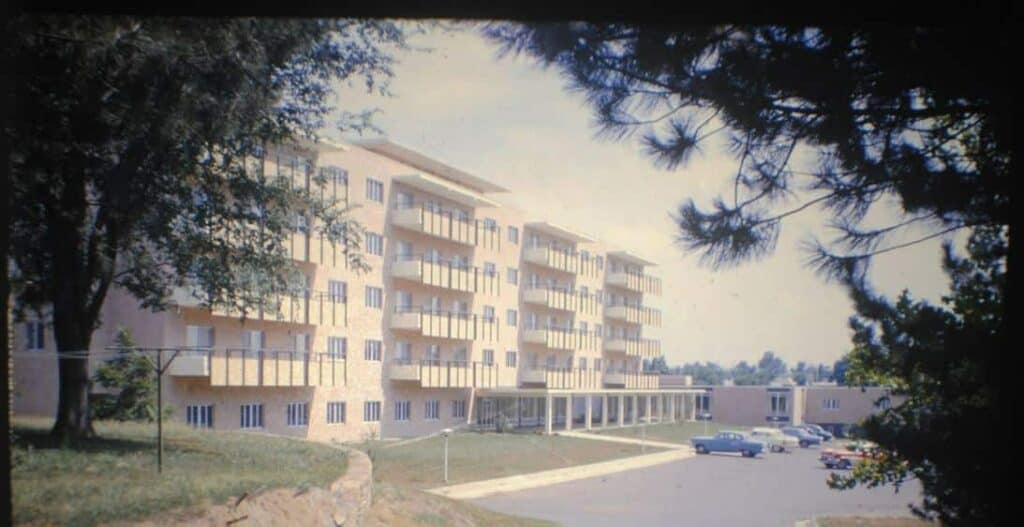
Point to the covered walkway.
(550, 410)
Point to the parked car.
(774, 439)
(804, 438)
(817, 430)
(846, 458)
(727, 441)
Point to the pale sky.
(513, 123)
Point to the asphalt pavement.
(706, 490)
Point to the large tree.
(135, 147)
(919, 117)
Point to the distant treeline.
(769, 368)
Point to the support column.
(588, 416)
(636, 409)
(647, 413)
(604, 410)
(672, 408)
(621, 401)
(568, 413)
(548, 414)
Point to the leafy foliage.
(136, 160)
(132, 381)
(891, 112)
(945, 360)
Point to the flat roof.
(630, 257)
(443, 187)
(403, 154)
(559, 231)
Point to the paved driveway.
(709, 490)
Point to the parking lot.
(714, 489)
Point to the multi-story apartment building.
(471, 313)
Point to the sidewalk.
(479, 489)
(630, 440)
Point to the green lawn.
(474, 456)
(679, 432)
(114, 477)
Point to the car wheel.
(845, 464)
(746, 453)
(701, 449)
(804, 443)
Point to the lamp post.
(444, 434)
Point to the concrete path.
(479, 489)
(630, 440)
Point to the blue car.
(818, 431)
(727, 441)
(805, 438)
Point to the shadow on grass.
(40, 439)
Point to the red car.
(846, 458)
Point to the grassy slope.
(114, 477)
(477, 456)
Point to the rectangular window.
(337, 347)
(600, 262)
(336, 175)
(335, 412)
(512, 317)
(403, 352)
(830, 404)
(34, 336)
(374, 297)
(488, 357)
(583, 363)
(374, 190)
(297, 414)
(252, 416)
(432, 412)
(459, 408)
(253, 340)
(489, 314)
(513, 234)
(513, 276)
(583, 328)
(510, 359)
(703, 403)
(199, 415)
(597, 364)
(778, 403)
(374, 244)
(490, 224)
(371, 411)
(490, 269)
(199, 337)
(371, 350)
(402, 410)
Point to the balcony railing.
(314, 308)
(561, 378)
(446, 374)
(562, 339)
(639, 347)
(446, 274)
(638, 282)
(271, 368)
(446, 224)
(635, 314)
(561, 299)
(444, 324)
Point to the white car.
(774, 439)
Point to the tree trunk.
(74, 419)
